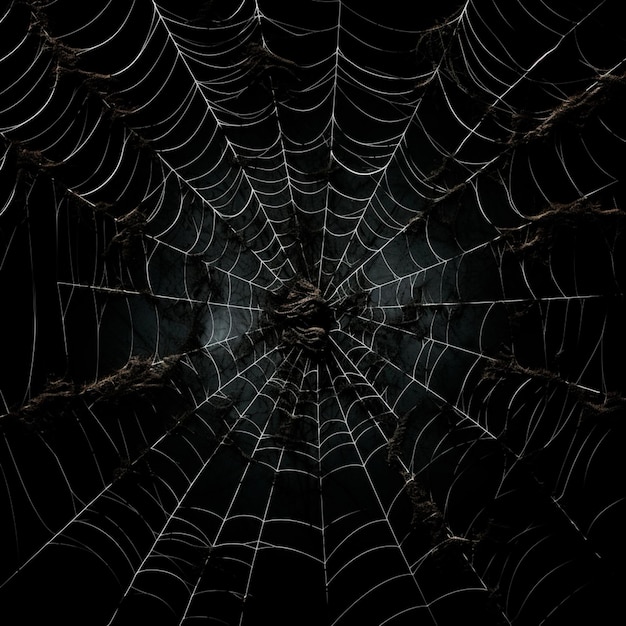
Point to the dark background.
(448, 175)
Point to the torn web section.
(88, 432)
(28, 269)
(39, 406)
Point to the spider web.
(317, 311)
